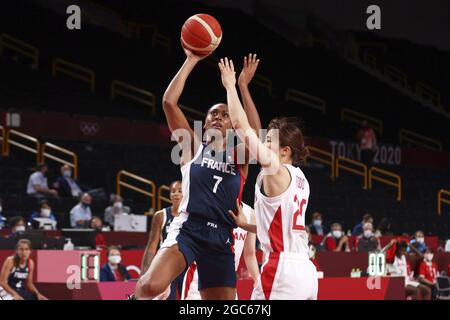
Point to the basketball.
(201, 34)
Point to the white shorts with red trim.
(287, 276)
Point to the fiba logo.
(89, 128)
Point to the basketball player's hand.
(227, 73)
(192, 56)
(238, 218)
(248, 70)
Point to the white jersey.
(190, 282)
(287, 273)
(280, 220)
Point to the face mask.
(367, 233)
(429, 257)
(317, 222)
(67, 173)
(114, 259)
(118, 205)
(311, 252)
(20, 228)
(45, 213)
(337, 233)
(420, 239)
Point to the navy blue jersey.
(211, 184)
(18, 277)
(167, 220)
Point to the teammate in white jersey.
(281, 199)
(244, 243)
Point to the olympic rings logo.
(89, 128)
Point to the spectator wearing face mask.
(418, 242)
(428, 271)
(317, 227)
(336, 240)
(44, 211)
(2, 218)
(113, 270)
(17, 225)
(66, 185)
(81, 214)
(358, 229)
(96, 223)
(367, 242)
(116, 207)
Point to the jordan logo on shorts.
(228, 241)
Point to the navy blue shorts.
(207, 243)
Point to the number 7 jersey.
(280, 220)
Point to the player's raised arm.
(266, 157)
(174, 115)
(248, 71)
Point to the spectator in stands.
(66, 186)
(96, 223)
(367, 242)
(44, 211)
(428, 271)
(16, 276)
(317, 226)
(81, 214)
(113, 270)
(17, 225)
(401, 268)
(116, 207)
(367, 141)
(358, 229)
(37, 184)
(2, 218)
(418, 242)
(336, 240)
(384, 228)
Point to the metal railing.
(357, 117)
(440, 200)
(306, 99)
(322, 156)
(74, 70)
(396, 75)
(161, 197)
(19, 46)
(119, 88)
(35, 148)
(45, 154)
(341, 164)
(428, 93)
(120, 183)
(419, 140)
(397, 184)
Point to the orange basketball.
(201, 34)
